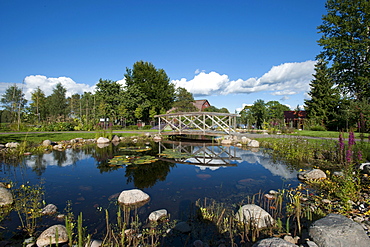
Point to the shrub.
(147, 127)
(132, 127)
(317, 128)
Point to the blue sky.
(229, 52)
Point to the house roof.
(201, 104)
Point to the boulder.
(254, 144)
(182, 227)
(156, 215)
(337, 230)
(253, 214)
(48, 236)
(157, 138)
(311, 174)
(226, 142)
(115, 138)
(46, 143)
(102, 140)
(134, 196)
(6, 198)
(49, 209)
(58, 146)
(245, 140)
(365, 167)
(12, 145)
(273, 242)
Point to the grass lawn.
(54, 136)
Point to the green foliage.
(184, 101)
(109, 97)
(28, 202)
(345, 42)
(147, 127)
(317, 128)
(57, 103)
(322, 107)
(14, 102)
(147, 87)
(132, 127)
(38, 106)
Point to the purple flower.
(351, 139)
(359, 155)
(341, 142)
(349, 156)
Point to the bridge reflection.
(201, 153)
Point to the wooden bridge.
(197, 123)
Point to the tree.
(14, 101)
(109, 95)
(38, 105)
(184, 101)
(259, 112)
(246, 116)
(346, 41)
(153, 83)
(275, 110)
(323, 105)
(75, 107)
(57, 103)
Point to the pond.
(86, 178)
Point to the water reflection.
(206, 154)
(85, 176)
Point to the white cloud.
(241, 108)
(47, 84)
(284, 79)
(122, 82)
(204, 84)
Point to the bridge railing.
(205, 123)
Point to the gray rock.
(311, 243)
(12, 145)
(253, 144)
(6, 198)
(226, 142)
(49, 209)
(198, 243)
(253, 214)
(115, 138)
(273, 242)
(134, 196)
(46, 143)
(156, 215)
(311, 174)
(58, 146)
(337, 230)
(245, 140)
(182, 227)
(48, 236)
(102, 140)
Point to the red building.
(201, 104)
(294, 119)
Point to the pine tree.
(325, 97)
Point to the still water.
(87, 179)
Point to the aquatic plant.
(125, 160)
(28, 203)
